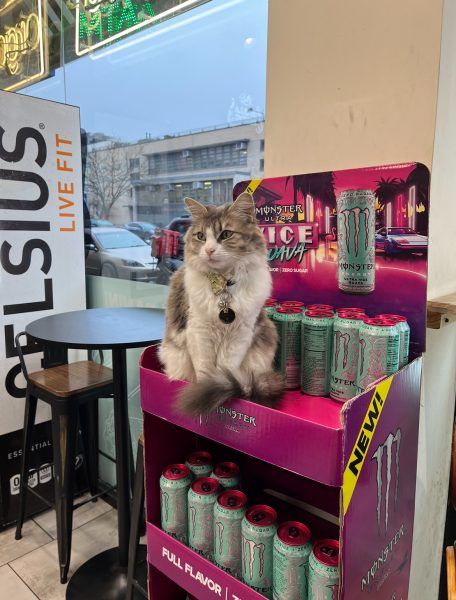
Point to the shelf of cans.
(336, 352)
(237, 541)
(306, 454)
(202, 506)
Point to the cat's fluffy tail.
(203, 397)
(268, 389)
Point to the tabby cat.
(217, 335)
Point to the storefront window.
(171, 106)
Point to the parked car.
(394, 240)
(141, 229)
(167, 246)
(98, 223)
(179, 225)
(116, 252)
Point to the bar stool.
(135, 527)
(72, 391)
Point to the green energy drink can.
(404, 331)
(290, 560)
(345, 351)
(258, 530)
(201, 499)
(358, 311)
(227, 474)
(292, 304)
(356, 241)
(379, 345)
(324, 571)
(174, 484)
(270, 307)
(199, 463)
(325, 307)
(288, 360)
(317, 329)
(229, 510)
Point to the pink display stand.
(346, 470)
(376, 528)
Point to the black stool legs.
(29, 420)
(136, 518)
(64, 432)
(88, 415)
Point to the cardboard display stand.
(346, 470)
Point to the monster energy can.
(359, 311)
(292, 547)
(258, 529)
(324, 571)
(324, 307)
(317, 328)
(404, 331)
(379, 344)
(270, 307)
(227, 474)
(199, 463)
(293, 304)
(345, 351)
(356, 241)
(201, 499)
(288, 323)
(229, 510)
(174, 484)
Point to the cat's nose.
(210, 251)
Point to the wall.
(355, 84)
(442, 272)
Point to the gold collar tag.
(217, 282)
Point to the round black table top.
(104, 328)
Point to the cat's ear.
(196, 209)
(244, 206)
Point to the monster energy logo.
(357, 212)
(387, 448)
(362, 350)
(251, 545)
(220, 527)
(165, 504)
(338, 337)
(192, 511)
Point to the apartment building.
(153, 176)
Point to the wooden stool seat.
(74, 378)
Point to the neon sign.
(23, 43)
(99, 22)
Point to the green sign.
(99, 22)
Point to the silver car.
(115, 252)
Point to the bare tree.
(107, 179)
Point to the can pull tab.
(293, 532)
(328, 551)
(175, 470)
(232, 501)
(206, 487)
(258, 517)
(225, 469)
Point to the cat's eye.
(200, 236)
(226, 234)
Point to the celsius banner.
(42, 245)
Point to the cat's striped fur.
(221, 360)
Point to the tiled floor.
(29, 567)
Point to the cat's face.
(222, 236)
